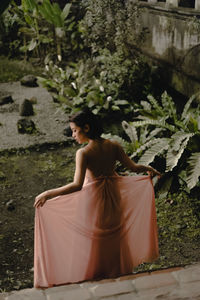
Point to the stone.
(29, 80)
(26, 108)
(27, 294)
(10, 205)
(188, 274)
(3, 296)
(154, 281)
(72, 294)
(112, 288)
(5, 99)
(33, 100)
(26, 126)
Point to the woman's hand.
(153, 172)
(41, 199)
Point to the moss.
(14, 70)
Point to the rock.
(5, 99)
(33, 100)
(26, 108)
(10, 205)
(26, 126)
(29, 80)
(67, 131)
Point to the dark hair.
(86, 117)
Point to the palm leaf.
(159, 146)
(193, 171)
(178, 144)
(130, 131)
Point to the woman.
(101, 225)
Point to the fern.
(155, 104)
(178, 144)
(157, 148)
(169, 105)
(130, 131)
(198, 122)
(159, 123)
(193, 170)
(154, 133)
(165, 188)
(146, 105)
(180, 125)
(187, 107)
(144, 146)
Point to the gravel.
(49, 118)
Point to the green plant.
(52, 15)
(172, 139)
(106, 83)
(38, 26)
(111, 24)
(77, 87)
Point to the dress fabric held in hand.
(102, 231)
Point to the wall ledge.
(162, 6)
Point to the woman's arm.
(76, 185)
(131, 165)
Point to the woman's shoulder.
(113, 143)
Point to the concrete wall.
(173, 41)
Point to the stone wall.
(173, 41)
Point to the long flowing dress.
(102, 231)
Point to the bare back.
(101, 156)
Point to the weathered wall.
(173, 40)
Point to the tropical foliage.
(102, 83)
(39, 28)
(170, 140)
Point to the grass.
(14, 70)
(179, 232)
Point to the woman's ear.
(86, 128)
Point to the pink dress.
(102, 231)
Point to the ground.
(30, 172)
(25, 173)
